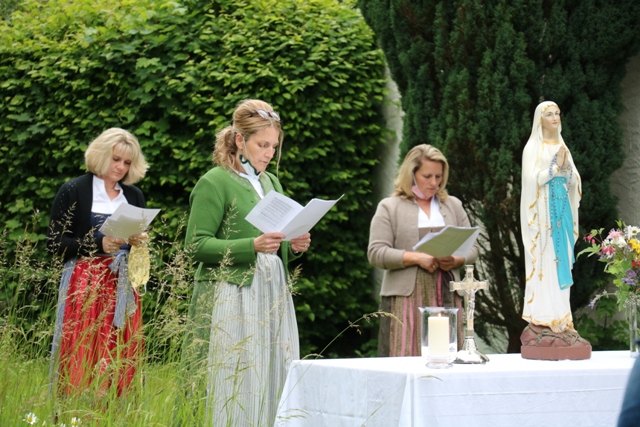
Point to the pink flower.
(607, 251)
(614, 234)
(615, 238)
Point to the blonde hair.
(412, 162)
(246, 121)
(99, 154)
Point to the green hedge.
(172, 74)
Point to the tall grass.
(28, 300)
(169, 389)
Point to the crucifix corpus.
(468, 286)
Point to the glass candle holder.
(439, 336)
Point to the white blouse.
(436, 220)
(101, 202)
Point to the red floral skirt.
(93, 352)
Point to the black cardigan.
(70, 231)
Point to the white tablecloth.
(507, 391)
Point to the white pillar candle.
(438, 335)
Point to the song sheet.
(450, 241)
(277, 212)
(128, 220)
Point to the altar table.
(507, 391)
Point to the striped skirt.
(254, 338)
(401, 336)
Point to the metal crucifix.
(469, 286)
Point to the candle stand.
(439, 336)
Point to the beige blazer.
(394, 230)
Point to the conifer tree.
(471, 73)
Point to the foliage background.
(471, 73)
(172, 73)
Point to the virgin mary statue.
(551, 192)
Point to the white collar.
(254, 180)
(101, 201)
(99, 182)
(435, 220)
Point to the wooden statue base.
(541, 343)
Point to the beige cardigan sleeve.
(388, 241)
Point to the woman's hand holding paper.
(448, 263)
(138, 239)
(301, 244)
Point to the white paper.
(450, 241)
(278, 213)
(128, 220)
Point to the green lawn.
(24, 389)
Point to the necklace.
(559, 196)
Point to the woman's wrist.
(410, 258)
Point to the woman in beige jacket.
(419, 204)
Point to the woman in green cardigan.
(245, 326)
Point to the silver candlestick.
(469, 286)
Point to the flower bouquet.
(620, 250)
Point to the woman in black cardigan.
(98, 323)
